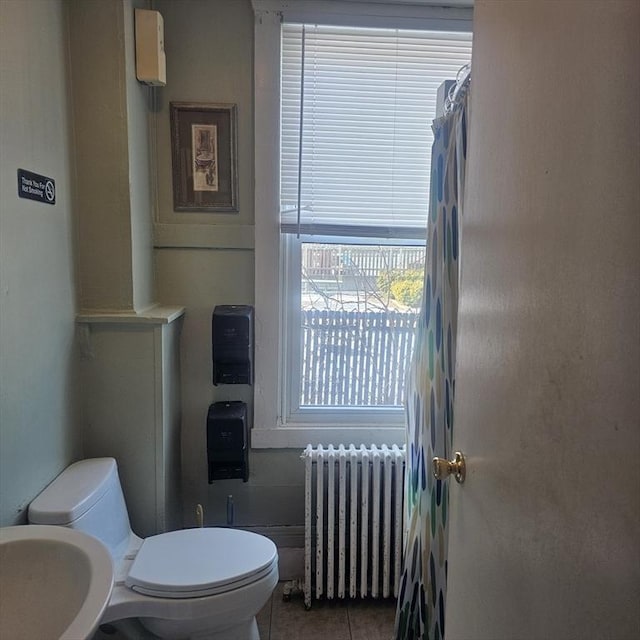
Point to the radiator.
(353, 521)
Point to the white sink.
(54, 583)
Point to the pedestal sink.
(54, 583)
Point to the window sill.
(298, 437)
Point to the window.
(349, 331)
(345, 241)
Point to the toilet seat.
(193, 563)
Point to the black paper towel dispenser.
(232, 344)
(227, 441)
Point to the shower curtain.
(431, 386)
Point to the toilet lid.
(200, 562)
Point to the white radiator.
(353, 521)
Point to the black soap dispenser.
(232, 344)
(227, 441)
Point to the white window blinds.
(369, 97)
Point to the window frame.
(273, 426)
(294, 415)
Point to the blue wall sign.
(36, 187)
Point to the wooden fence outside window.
(353, 358)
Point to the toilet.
(195, 584)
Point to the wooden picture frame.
(203, 150)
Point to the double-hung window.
(343, 152)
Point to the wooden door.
(545, 532)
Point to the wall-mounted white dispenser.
(151, 65)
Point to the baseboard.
(290, 543)
(282, 535)
(291, 563)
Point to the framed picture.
(203, 148)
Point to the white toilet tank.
(87, 496)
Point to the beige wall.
(205, 259)
(139, 107)
(102, 178)
(112, 148)
(200, 259)
(130, 370)
(38, 422)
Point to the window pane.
(365, 128)
(359, 309)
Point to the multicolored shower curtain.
(431, 387)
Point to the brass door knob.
(442, 468)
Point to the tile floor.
(327, 620)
